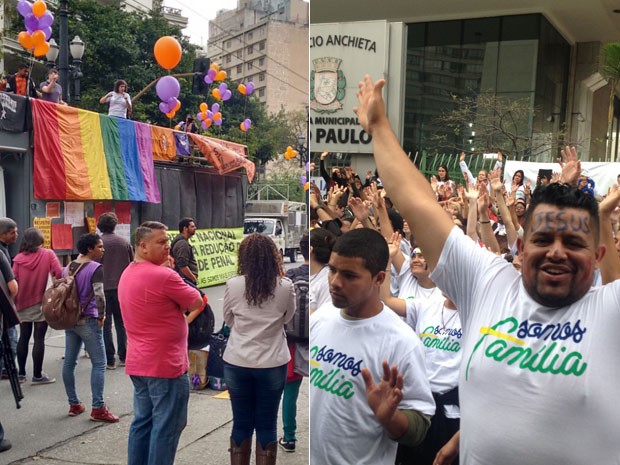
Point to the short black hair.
(304, 245)
(184, 223)
(322, 242)
(107, 222)
(146, 228)
(564, 196)
(88, 241)
(366, 244)
(22, 66)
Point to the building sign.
(341, 53)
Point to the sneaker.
(22, 379)
(121, 363)
(44, 379)
(103, 414)
(110, 366)
(288, 446)
(76, 409)
(5, 444)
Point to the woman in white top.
(119, 100)
(257, 305)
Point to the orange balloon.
(41, 49)
(306, 186)
(25, 40)
(217, 116)
(39, 8)
(221, 75)
(204, 113)
(171, 114)
(215, 66)
(217, 94)
(203, 107)
(38, 38)
(241, 88)
(178, 106)
(168, 52)
(242, 127)
(208, 122)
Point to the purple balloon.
(199, 116)
(223, 87)
(24, 7)
(218, 122)
(215, 107)
(32, 22)
(226, 95)
(48, 32)
(303, 180)
(249, 88)
(163, 107)
(172, 102)
(46, 20)
(210, 114)
(247, 123)
(167, 87)
(307, 166)
(210, 76)
(204, 126)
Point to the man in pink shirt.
(153, 300)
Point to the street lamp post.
(71, 73)
(301, 149)
(61, 51)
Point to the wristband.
(484, 222)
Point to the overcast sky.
(199, 13)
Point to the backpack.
(200, 330)
(297, 328)
(61, 302)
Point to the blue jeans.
(92, 337)
(113, 310)
(160, 415)
(255, 396)
(12, 332)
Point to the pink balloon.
(249, 88)
(226, 95)
(215, 107)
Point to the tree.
(487, 122)
(611, 72)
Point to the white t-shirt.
(118, 105)
(538, 386)
(442, 337)
(319, 289)
(344, 428)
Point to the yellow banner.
(215, 251)
(45, 226)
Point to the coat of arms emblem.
(327, 85)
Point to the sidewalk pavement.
(42, 433)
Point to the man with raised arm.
(537, 346)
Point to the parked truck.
(282, 220)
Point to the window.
(261, 92)
(239, 69)
(261, 77)
(250, 65)
(249, 49)
(261, 45)
(261, 62)
(250, 35)
(240, 54)
(228, 58)
(227, 44)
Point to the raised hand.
(610, 203)
(483, 200)
(394, 244)
(371, 109)
(571, 166)
(358, 208)
(324, 155)
(384, 397)
(500, 157)
(471, 193)
(434, 183)
(462, 156)
(496, 181)
(556, 177)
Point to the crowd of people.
(461, 324)
(150, 291)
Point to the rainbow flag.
(82, 155)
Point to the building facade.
(544, 57)
(265, 42)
